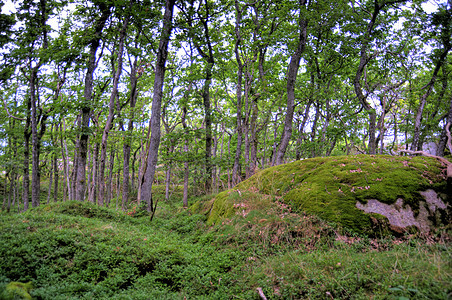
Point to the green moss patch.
(330, 187)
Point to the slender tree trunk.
(134, 159)
(49, 191)
(64, 154)
(110, 180)
(236, 176)
(118, 185)
(111, 114)
(128, 137)
(142, 161)
(300, 139)
(208, 122)
(275, 136)
(56, 178)
(291, 79)
(313, 130)
(167, 182)
(254, 140)
(86, 105)
(186, 168)
(11, 191)
(245, 123)
(26, 166)
(35, 184)
(229, 155)
(93, 189)
(146, 187)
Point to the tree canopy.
(103, 98)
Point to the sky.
(429, 6)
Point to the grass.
(76, 250)
(225, 246)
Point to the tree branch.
(441, 159)
(14, 117)
(261, 293)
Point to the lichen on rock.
(401, 217)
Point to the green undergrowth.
(76, 250)
(330, 187)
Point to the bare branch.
(14, 117)
(441, 159)
(261, 293)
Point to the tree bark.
(291, 79)
(146, 187)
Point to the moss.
(330, 187)
(222, 207)
(17, 290)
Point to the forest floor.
(74, 250)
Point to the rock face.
(401, 217)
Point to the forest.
(103, 99)
(225, 149)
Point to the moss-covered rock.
(331, 187)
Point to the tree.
(364, 59)
(151, 163)
(82, 143)
(443, 19)
(292, 72)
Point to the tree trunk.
(236, 177)
(254, 140)
(111, 113)
(49, 191)
(291, 78)
(94, 188)
(56, 178)
(110, 180)
(35, 184)
(146, 187)
(128, 137)
(186, 168)
(167, 182)
(86, 105)
(64, 154)
(208, 122)
(26, 166)
(275, 136)
(313, 130)
(300, 139)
